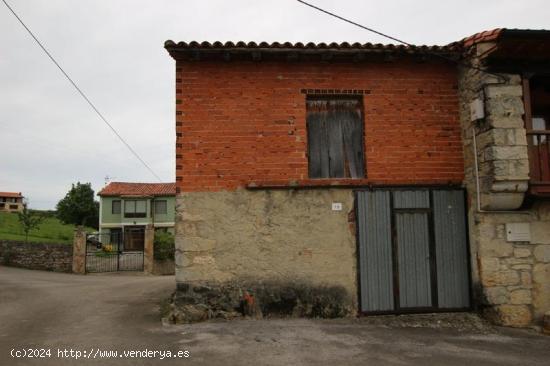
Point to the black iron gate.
(106, 252)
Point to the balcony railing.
(539, 161)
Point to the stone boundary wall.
(164, 268)
(56, 257)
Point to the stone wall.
(44, 256)
(511, 279)
(164, 267)
(514, 276)
(284, 249)
(500, 139)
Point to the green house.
(125, 209)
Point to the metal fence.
(106, 252)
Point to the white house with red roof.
(11, 201)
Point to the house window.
(2, 205)
(540, 124)
(160, 207)
(115, 208)
(335, 137)
(14, 207)
(136, 208)
(537, 116)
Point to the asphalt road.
(120, 312)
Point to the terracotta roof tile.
(194, 45)
(485, 36)
(454, 47)
(11, 194)
(138, 189)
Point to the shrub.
(164, 246)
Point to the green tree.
(78, 206)
(29, 220)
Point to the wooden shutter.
(352, 125)
(336, 145)
(335, 138)
(317, 142)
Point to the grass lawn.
(51, 230)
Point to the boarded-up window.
(335, 138)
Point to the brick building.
(326, 180)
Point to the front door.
(134, 238)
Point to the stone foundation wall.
(43, 256)
(259, 299)
(514, 276)
(265, 246)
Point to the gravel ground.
(121, 312)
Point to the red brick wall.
(240, 122)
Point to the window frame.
(541, 140)
(134, 213)
(113, 207)
(334, 97)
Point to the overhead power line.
(458, 62)
(356, 24)
(82, 93)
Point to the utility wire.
(82, 93)
(400, 40)
(356, 24)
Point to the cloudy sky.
(50, 138)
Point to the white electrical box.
(518, 231)
(477, 110)
(336, 206)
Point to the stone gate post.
(79, 251)
(148, 249)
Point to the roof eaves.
(308, 48)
